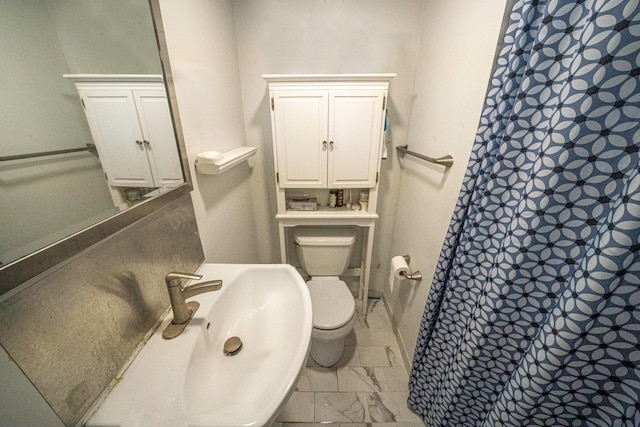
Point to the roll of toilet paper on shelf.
(398, 268)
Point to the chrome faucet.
(182, 311)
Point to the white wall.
(310, 36)
(456, 56)
(202, 50)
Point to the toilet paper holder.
(416, 275)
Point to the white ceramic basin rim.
(189, 381)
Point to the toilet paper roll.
(398, 268)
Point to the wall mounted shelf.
(229, 160)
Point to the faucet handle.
(175, 277)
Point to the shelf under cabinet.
(325, 212)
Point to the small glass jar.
(364, 200)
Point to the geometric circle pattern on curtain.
(533, 318)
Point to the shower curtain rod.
(446, 161)
(42, 154)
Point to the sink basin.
(189, 381)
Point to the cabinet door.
(300, 123)
(116, 132)
(355, 123)
(159, 137)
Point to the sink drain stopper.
(232, 346)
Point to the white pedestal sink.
(189, 381)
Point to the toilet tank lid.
(314, 236)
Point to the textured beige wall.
(73, 329)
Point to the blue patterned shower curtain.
(533, 318)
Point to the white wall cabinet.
(132, 128)
(328, 133)
(327, 138)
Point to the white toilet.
(325, 254)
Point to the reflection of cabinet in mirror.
(131, 126)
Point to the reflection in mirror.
(72, 156)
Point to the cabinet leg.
(366, 270)
(283, 243)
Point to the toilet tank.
(324, 251)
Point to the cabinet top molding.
(328, 77)
(114, 77)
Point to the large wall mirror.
(80, 77)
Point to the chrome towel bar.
(42, 154)
(446, 161)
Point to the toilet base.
(327, 346)
(327, 353)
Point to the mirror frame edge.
(22, 270)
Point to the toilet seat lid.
(331, 302)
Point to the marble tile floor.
(367, 387)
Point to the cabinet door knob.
(146, 143)
(324, 145)
(331, 145)
(139, 143)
